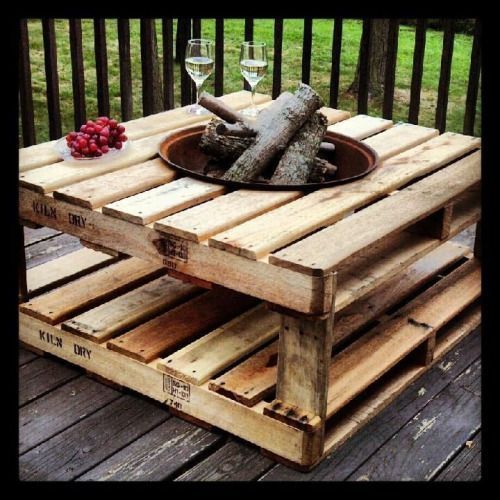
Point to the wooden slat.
(68, 267)
(364, 66)
(43, 154)
(77, 72)
(101, 66)
(361, 126)
(186, 322)
(417, 71)
(200, 222)
(335, 71)
(306, 50)
(51, 77)
(130, 309)
(255, 378)
(202, 359)
(161, 201)
(25, 87)
(126, 101)
(473, 86)
(101, 248)
(334, 246)
(390, 68)
(371, 356)
(98, 191)
(219, 57)
(278, 50)
(445, 74)
(168, 63)
(275, 229)
(88, 291)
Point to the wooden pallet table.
(285, 318)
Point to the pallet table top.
(280, 247)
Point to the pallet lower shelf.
(218, 364)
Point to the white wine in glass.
(253, 65)
(199, 65)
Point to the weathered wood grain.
(41, 252)
(32, 236)
(26, 356)
(87, 291)
(361, 126)
(157, 455)
(77, 449)
(466, 466)
(61, 408)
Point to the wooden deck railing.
(189, 28)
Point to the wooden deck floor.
(72, 427)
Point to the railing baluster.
(364, 67)
(25, 87)
(151, 85)
(390, 68)
(418, 68)
(101, 66)
(335, 74)
(306, 50)
(125, 69)
(444, 78)
(278, 47)
(184, 29)
(219, 57)
(473, 86)
(77, 71)
(52, 78)
(168, 63)
(248, 38)
(196, 27)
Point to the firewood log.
(321, 171)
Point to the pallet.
(302, 274)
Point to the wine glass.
(199, 65)
(253, 65)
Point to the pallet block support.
(436, 225)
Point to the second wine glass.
(199, 65)
(253, 65)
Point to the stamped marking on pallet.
(178, 390)
(41, 208)
(174, 249)
(76, 220)
(81, 351)
(50, 339)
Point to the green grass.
(291, 68)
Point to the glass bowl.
(64, 152)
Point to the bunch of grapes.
(96, 138)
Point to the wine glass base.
(251, 112)
(196, 109)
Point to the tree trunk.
(378, 57)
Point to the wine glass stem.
(253, 97)
(198, 86)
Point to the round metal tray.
(353, 159)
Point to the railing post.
(125, 69)
(101, 66)
(444, 77)
(335, 73)
(364, 67)
(418, 68)
(77, 71)
(473, 86)
(25, 88)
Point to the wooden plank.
(101, 66)
(399, 138)
(87, 443)
(148, 206)
(178, 326)
(40, 376)
(466, 466)
(66, 268)
(361, 126)
(26, 356)
(420, 453)
(473, 85)
(335, 71)
(232, 462)
(130, 309)
(203, 221)
(126, 102)
(445, 74)
(375, 420)
(277, 228)
(32, 236)
(98, 191)
(205, 357)
(348, 237)
(77, 72)
(157, 455)
(417, 71)
(203, 404)
(61, 408)
(256, 278)
(101, 249)
(139, 128)
(466, 212)
(49, 249)
(371, 356)
(88, 291)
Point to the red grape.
(122, 138)
(118, 145)
(113, 123)
(104, 149)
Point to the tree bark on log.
(321, 171)
(235, 130)
(296, 163)
(223, 147)
(222, 110)
(274, 133)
